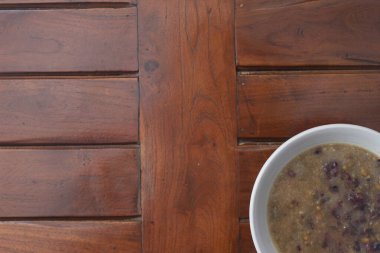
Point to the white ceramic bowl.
(336, 133)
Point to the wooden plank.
(245, 239)
(68, 40)
(68, 111)
(251, 159)
(70, 236)
(64, 1)
(281, 105)
(68, 182)
(188, 134)
(305, 33)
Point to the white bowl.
(335, 133)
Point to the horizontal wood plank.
(281, 105)
(71, 40)
(70, 236)
(251, 159)
(68, 182)
(64, 1)
(245, 239)
(304, 33)
(68, 111)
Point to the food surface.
(327, 199)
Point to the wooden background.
(301, 64)
(69, 132)
(140, 126)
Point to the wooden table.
(140, 125)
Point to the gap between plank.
(78, 5)
(79, 219)
(261, 141)
(70, 146)
(69, 75)
(307, 69)
(244, 220)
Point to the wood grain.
(281, 105)
(70, 236)
(60, 182)
(64, 1)
(68, 111)
(251, 159)
(188, 134)
(304, 33)
(245, 239)
(68, 40)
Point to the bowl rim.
(280, 149)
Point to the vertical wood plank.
(188, 128)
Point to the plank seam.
(261, 141)
(77, 6)
(259, 69)
(79, 219)
(131, 145)
(69, 75)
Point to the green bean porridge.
(327, 199)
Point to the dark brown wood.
(188, 134)
(251, 159)
(281, 105)
(70, 236)
(245, 239)
(309, 32)
(68, 182)
(65, 1)
(69, 111)
(68, 40)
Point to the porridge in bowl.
(327, 199)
